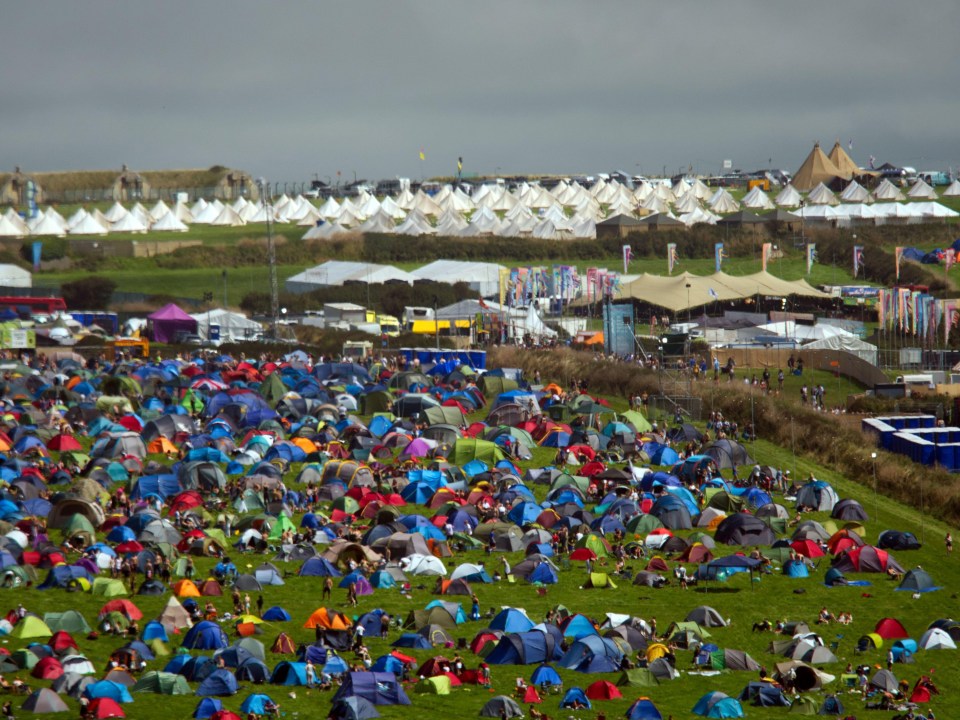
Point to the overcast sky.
(290, 89)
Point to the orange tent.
(328, 619)
(597, 339)
(304, 444)
(185, 588)
(161, 446)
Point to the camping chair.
(835, 644)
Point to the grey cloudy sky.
(289, 89)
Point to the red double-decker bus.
(48, 305)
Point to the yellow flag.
(423, 155)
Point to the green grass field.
(742, 601)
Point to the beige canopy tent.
(674, 294)
(816, 169)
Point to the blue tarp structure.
(318, 567)
(543, 574)
(353, 708)
(376, 688)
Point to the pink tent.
(168, 321)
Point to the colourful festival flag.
(949, 258)
(671, 257)
(718, 256)
(765, 250)
(811, 256)
(423, 155)
(857, 259)
(897, 254)
(627, 257)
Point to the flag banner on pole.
(765, 251)
(627, 257)
(811, 256)
(671, 257)
(37, 249)
(718, 256)
(503, 280)
(423, 155)
(897, 254)
(857, 259)
(949, 258)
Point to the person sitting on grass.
(825, 617)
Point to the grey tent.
(353, 708)
(917, 580)
(247, 583)
(44, 701)
(849, 509)
(728, 454)
(201, 475)
(744, 529)
(739, 660)
(884, 680)
(501, 706)
(706, 616)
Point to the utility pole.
(264, 187)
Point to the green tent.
(159, 647)
(804, 705)
(117, 619)
(109, 588)
(720, 499)
(444, 416)
(191, 402)
(70, 621)
(492, 386)
(565, 479)
(437, 685)
(637, 677)
(272, 389)
(595, 543)
(687, 626)
(282, 524)
(376, 402)
(636, 419)
(163, 683)
(467, 449)
(31, 627)
(643, 524)
(25, 658)
(78, 524)
(600, 580)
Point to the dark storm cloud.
(290, 89)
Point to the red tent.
(225, 715)
(63, 443)
(891, 629)
(603, 690)
(104, 707)
(531, 695)
(583, 554)
(49, 668)
(123, 606)
(61, 641)
(807, 548)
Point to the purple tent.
(168, 321)
(417, 448)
